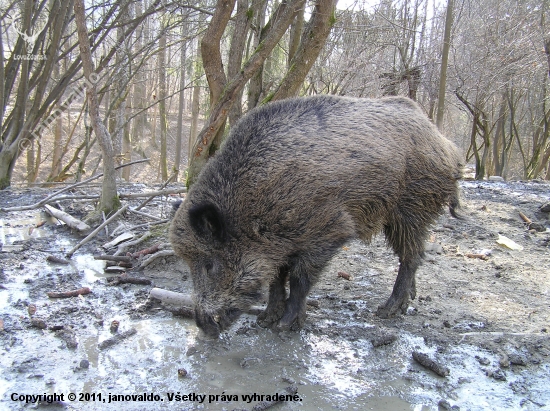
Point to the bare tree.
(109, 198)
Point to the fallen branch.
(531, 225)
(163, 253)
(479, 256)
(117, 258)
(185, 300)
(115, 339)
(53, 196)
(141, 213)
(124, 246)
(125, 279)
(143, 203)
(430, 364)
(97, 230)
(56, 260)
(154, 193)
(66, 218)
(151, 250)
(69, 294)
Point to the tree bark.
(109, 199)
(238, 41)
(283, 16)
(444, 63)
(181, 102)
(311, 44)
(162, 102)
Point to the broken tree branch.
(124, 246)
(97, 230)
(53, 196)
(66, 218)
(115, 339)
(69, 294)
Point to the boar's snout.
(213, 324)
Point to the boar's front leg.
(295, 311)
(276, 302)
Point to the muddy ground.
(486, 320)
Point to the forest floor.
(482, 314)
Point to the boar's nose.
(206, 323)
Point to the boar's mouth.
(212, 325)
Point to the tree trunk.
(444, 63)
(311, 44)
(109, 199)
(181, 102)
(256, 82)
(238, 41)
(162, 102)
(283, 16)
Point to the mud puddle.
(487, 321)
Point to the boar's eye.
(207, 221)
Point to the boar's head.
(226, 275)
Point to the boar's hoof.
(292, 322)
(271, 315)
(392, 306)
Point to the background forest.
(165, 80)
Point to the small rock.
(516, 359)
(504, 361)
(182, 372)
(84, 364)
(444, 405)
(483, 360)
(39, 323)
(447, 324)
(497, 374)
(545, 208)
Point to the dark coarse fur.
(295, 180)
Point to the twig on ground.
(115, 339)
(151, 250)
(117, 258)
(69, 294)
(124, 246)
(125, 279)
(97, 230)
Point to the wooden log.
(67, 218)
(69, 294)
(56, 260)
(430, 364)
(126, 279)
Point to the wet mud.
(485, 320)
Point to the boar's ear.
(207, 221)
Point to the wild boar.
(295, 180)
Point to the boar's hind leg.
(407, 241)
(276, 303)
